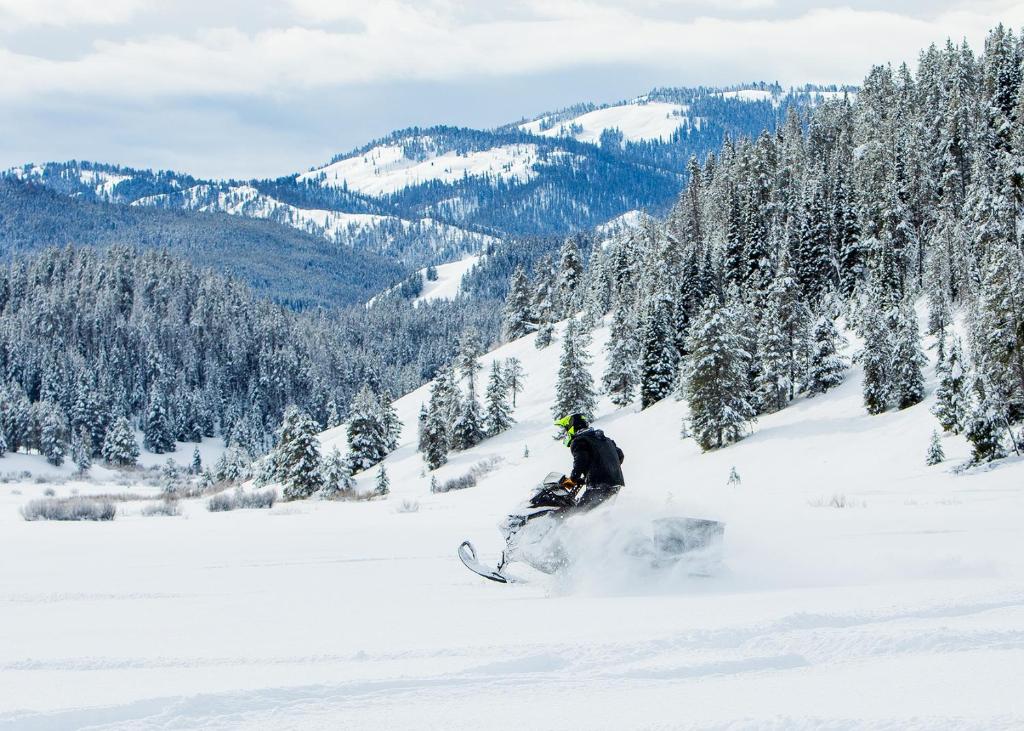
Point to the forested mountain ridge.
(291, 267)
(424, 196)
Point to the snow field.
(904, 610)
(385, 169)
(636, 120)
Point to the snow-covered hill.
(637, 120)
(902, 609)
(386, 168)
(338, 226)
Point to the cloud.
(19, 14)
(434, 41)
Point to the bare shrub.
(72, 508)
(162, 507)
(240, 500)
(471, 478)
(408, 506)
(49, 492)
(837, 501)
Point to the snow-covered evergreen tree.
(383, 485)
(544, 302)
(499, 413)
(197, 462)
(518, 319)
(367, 432)
(825, 367)
(621, 373)
(298, 460)
(390, 422)
(574, 390)
(337, 482)
(468, 429)
(3, 443)
(951, 396)
(569, 295)
(436, 434)
(717, 386)
(907, 379)
(783, 339)
(935, 451)
(421, 424)
(876, 359)
(659, 358)
(53, 434)
(119, 446)
(81, 449)
(157, 436)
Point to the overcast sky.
(241, 88)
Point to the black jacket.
(596, 459)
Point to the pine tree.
(170, 477)
(383, 483)
(621, 373)
(544, 302)
(3, 443)
(717, 385)
(367, 436)
(658, 354)
(951, 397)
(337, 482)
(53, 435)
(826, 367)
(574, 391)
(876, 359)
(390, 422)
(782, 340)
(436, 436)
(907, 379)
(545, 334)
(119, 446)
(468, 429)
(935, 453)
(515, 377)
(421, 423)
(81, 451)
(157, 436)
(984, 430)
(570, 277)
(499, 413)
(197, 462)
(299, 465)
(517, 318)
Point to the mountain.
(290, 266)
(426, 196)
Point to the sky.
(242, 88)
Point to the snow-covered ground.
(385, 169)
(637, 120)
(903, 610)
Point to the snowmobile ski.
(468, 556)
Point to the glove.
(567, 483)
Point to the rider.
(596, 462)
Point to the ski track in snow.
(905, 611)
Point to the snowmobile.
(532, 535)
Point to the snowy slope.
(904, 610)
(449, 280)
(637, 120)
(385, 168)
(245, 200)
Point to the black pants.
(594, 495)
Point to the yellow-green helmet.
(570, 425)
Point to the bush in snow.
(837, 501)
(242, 500)
(461, 482)
(74, 508)
(162, 507)
(408, 506)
